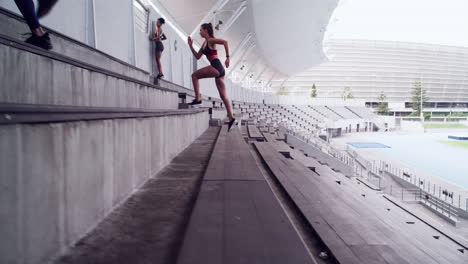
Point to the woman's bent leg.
(206, 72)
(223, 94)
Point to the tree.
(282, 91)
(416, 97)
(313, 94)
(382, 106)
(347, 93)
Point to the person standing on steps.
(215, 70)
(158, 38)
(39, 37)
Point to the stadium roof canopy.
(269, 40)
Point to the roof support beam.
(234, 17)
(245, 53)
(209, 16)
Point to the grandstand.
(370, 67)
(101, 162)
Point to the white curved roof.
(289, 33)
(269, 40)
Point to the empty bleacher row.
(357, 224)
(308, 119)
(354, 222)
(361, 111)
(379, 232)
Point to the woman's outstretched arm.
(196, 54)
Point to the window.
(141, 16)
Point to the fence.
(429, 200)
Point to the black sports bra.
(209, 52)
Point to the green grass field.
(445, 126)
(456, 143)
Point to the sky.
(442, 22)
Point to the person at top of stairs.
(158, 38)
(39, 37)
(215, 70)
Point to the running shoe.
(231, 123)
(195, 102)
(41, 42)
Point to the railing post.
(449, 211)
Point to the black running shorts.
(159, 46)
(216, 63)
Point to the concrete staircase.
(80, 131)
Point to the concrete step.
(237, 217)
(149, 226)
(34, 76)
(60, 177)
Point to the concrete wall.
(114, 27)
(62, 45)
(33, 79)
(107, 25)
(59, 180)
(72, 18)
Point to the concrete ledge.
(59, 180)
(218, 113)
(66, 82)
(34, 114)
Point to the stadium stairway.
(80, 132)
(237, 218)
